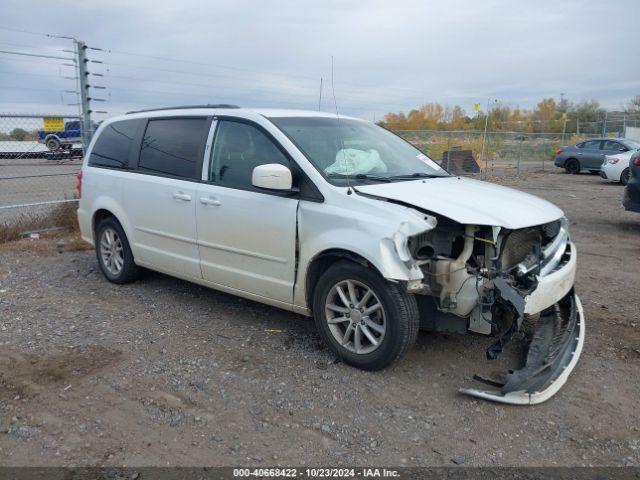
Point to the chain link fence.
(40, 155)
(37, 164)
(475, 153)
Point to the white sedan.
(616, 167)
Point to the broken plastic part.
(553, 354)
(513, 298)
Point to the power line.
(240, 69)
(310, 88)
(9, 52)
(171, 59)
(59, 90)
(50, 35)
(12, 59)
(216, 65)
(23, 45)
(11, 29)
(4, 72)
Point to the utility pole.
(604, 125)
(85, 105)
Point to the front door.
(246, 237)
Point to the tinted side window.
(237, 150)
(173, 147)
(612, 145)
(112, 146)
(592, 145)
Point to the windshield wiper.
(416, 175)
(359, 176)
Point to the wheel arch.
(323, 261)
(100, 215)
(105, 207)
(52, 135)
(626, 169)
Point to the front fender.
(380, 241)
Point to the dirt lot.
(163, 372)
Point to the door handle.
(210, 201)
(182, 196)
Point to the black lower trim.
(551, 348)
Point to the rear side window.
(592, 145)
(173, 147)
(112, 146)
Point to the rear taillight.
(79, 185)
(636, 161)
(559, 151)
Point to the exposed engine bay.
(489, 280)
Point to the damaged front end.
(493, 280)
(553, 352)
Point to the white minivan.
(336, 218)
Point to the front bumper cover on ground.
(553, 354)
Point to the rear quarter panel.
(101, 189)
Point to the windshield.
(356, 151)
(632, 144)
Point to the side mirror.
(272, 176)
(623, 149)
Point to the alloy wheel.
(111, 251)
(355, 316)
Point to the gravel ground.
(164, 372)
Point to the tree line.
(548, 116)
(19, 134)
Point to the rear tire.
(624, 176)
(115, 258)
(374, 326)
(572, 166)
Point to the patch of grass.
(74, 243)
(62, 216)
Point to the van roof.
(265, 112)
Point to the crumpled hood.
(469, 201)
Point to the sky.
(387, 55)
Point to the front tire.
(572, 166)
(365, 320)
(53, 144)
(624, 176)
(115, 258)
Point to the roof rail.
(183, 107)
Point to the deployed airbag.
(351, 161)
